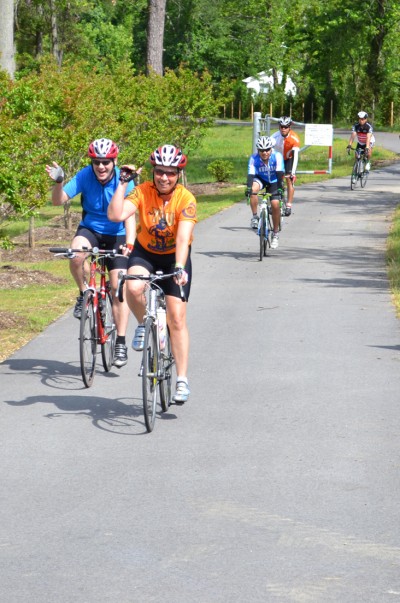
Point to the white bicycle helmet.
(265, 143)
(168, 156)
(103, 148)
(285, 121)
(362, 115)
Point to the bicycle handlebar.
(70, 253)
(150, 278)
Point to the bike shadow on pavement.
(53, 373)
(118, 416)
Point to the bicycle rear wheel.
(167, 372)
(262, 232)
(88, 339)
(108, 347)
(149, 374)
(354, 176)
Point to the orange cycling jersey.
(287, 143)
(159, 220)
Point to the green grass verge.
(393, 259)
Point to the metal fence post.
(256, 129)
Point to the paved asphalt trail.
(277, 482)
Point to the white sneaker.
(275, 240)
(138, 338)
(368, 167)
(182, 392)
(254, 223)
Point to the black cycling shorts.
(271, 188)
(165, 262)
(102, 241)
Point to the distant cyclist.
(288, 143)
(96, 184)
(363, 131)
(265, 170)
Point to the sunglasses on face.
(159, 172)
(105, 162)
(284, 127)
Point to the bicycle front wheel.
(363, 175)
(88, 339)
(354, 176)
(167, 372)
(108, 347)
(262, 233)
(149, 374)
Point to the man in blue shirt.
(265, 170)
(96, 183)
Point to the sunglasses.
(284, 127)
(159, 172)
(105, 162)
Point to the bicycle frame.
(96, 323)
(155, 297)
(359, 173)
(97, 266)
(157, 361)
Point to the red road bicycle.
(97, 323)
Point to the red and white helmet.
(168, 156)
(103, 148)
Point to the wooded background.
(147, 72)
(340, 52)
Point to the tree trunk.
(31, 235)
(155, 36)
(67, 215)
(7, 52)
(54, 34)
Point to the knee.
(176, 322)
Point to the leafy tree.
(54, 114)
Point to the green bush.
(221, 170)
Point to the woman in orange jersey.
(167, 215)
(288, 143)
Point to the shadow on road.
(53, 373)
(116, 416)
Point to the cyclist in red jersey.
(288, 143)
(363, 131)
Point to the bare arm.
(183, 237)
(352, 137)
(130, 229)
(58, 196)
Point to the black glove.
(127, 175)
(348, 149)
(248, 191)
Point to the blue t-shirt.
(95, 200)
(266, 171)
